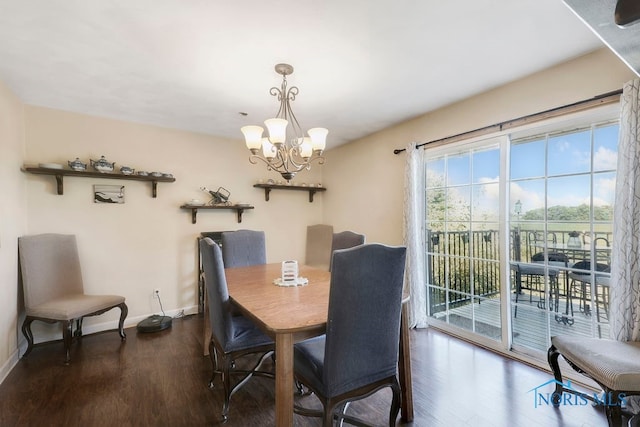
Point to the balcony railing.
(464, 266)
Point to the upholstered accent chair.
(53, 288)
(233, 336)
(318, 247)
(243, 248)
(613, 365)
(344, 240)
(359, 353)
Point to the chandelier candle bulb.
(318, 138)
(268, 149)
(306, 148)
(277, 130)
(253, 137)
(282, 153)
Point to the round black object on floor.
(154, 323)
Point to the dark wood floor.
(160, 379)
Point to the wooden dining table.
(291, 314)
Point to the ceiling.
(360, 65)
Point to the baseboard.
(133, 321)
(9, 364)
(129, 322)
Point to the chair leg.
(67, 330)
(395, 403)
(327, 415)
(124, 310)
(614, 411)
(78, 332)
(226, 387)
(213, 355)
(552, 358)
(26, 331)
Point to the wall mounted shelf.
(59, 174)
(269, 187)
(194, 210)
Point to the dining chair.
(358, 355)
(344, 240)
(53, 289)
(243, 248)
(233, 336)
(318, 247)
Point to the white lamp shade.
(318, 138)
(252, 136)
(277, 130)
(305, 147)
(268, 150)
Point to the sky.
(570, 170)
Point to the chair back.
(217, 292)
(243, 248)
(584, 268)
(50, 267)
(318, 249)
(344, 240)
(363, 324)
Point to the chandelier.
(285, 154)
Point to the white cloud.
(605, 159)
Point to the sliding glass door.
(518, 233)
(463, 237)
(563, 185)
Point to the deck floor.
(533, 323)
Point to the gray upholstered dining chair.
(53, 288)
(243, 248)
(358, 355)
(613, 365)
(344, 240)
(318, 247)
(233, 336)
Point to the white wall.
(368, 179)
(148, 243)
(12, 223)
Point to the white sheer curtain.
(414, 236)
(625, 257)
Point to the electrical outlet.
(156, 293)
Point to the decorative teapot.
(77, 165)
(102, 165)
(126, 170)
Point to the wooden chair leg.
(552, 358)
(124, 310)
(395, 404)
(67, 330)
(26, 331)
(614, 411)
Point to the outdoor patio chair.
(581, 277)
(531, 276)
